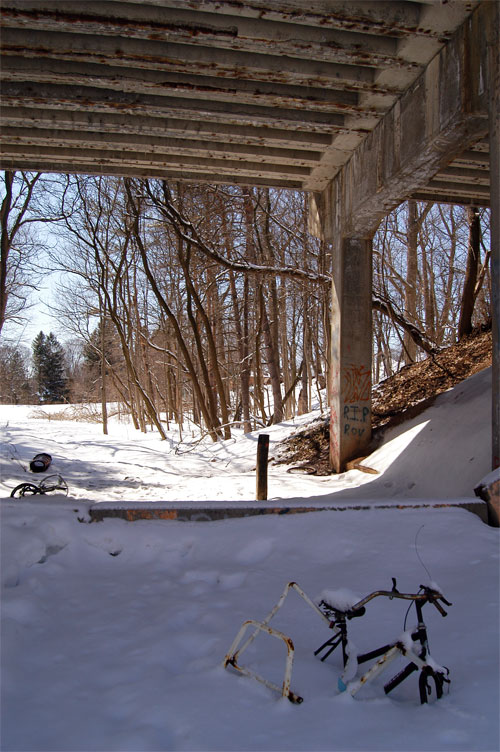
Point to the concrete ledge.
(212, 511)
(489, 491)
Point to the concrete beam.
(198, 511)
(398, 19)
(151, 170)
(455, 199)
(144, 160)
(460, 190)
(48, 96)
(82, 122)
(102, 143)
(444, 112)
(208, 88)
(465, 175)
(183, 58)
(185, 26)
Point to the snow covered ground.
(114, 633)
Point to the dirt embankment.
(398, 398)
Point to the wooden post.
(262, 454)
(494, 107)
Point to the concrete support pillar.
(494, 120)
(351, 352)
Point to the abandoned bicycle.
(413, 645)
(419, 660)
(47, 485)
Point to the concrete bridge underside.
(363, 104)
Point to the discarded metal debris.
(231, 657)
(47, 485)
(40, 462)
(413, 645)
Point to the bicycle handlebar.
(427, 596)
(439, 607)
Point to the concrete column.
(351, 352)
(494, 121)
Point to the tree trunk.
(410, 302)
(273, 364)
(468, 294)
(5, 244)
(104, 399)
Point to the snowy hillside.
(442, 453)
(114, 633)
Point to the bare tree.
(14, 217)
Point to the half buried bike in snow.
(336, 612)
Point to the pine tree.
(49, 368)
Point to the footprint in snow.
(255, 551)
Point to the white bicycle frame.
(231, 657)
(384, 662)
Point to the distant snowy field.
(113, 633)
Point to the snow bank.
(113, 633)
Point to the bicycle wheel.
(425, 686)
(53, 483)
(25, 489)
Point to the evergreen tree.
(49, 368)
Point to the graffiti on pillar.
(357, 420)
(357, 384)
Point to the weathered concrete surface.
(273, 75)
(363, 104)
(206, 512)
(444, 113)
(449, 110)
(350, 372)
(489, 491)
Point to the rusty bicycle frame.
(233, 653)
(337, 620)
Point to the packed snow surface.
(114, 633)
